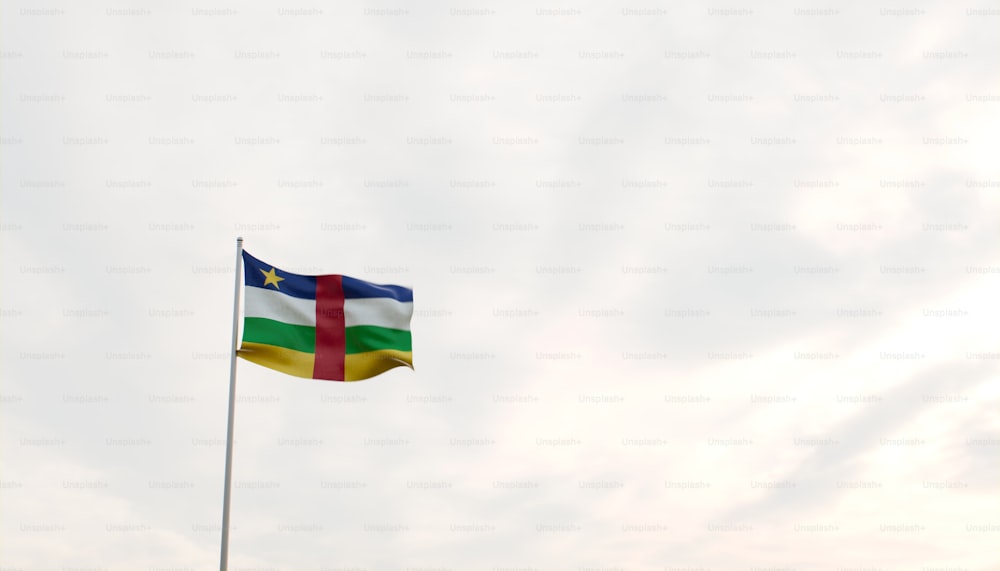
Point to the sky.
(697, 286)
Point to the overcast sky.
(698, 286)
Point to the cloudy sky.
(698, 286)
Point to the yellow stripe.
(287, 361)
(365, 365)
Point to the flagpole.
(224, 557)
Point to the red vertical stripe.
(329, 364)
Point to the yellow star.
(271, 278)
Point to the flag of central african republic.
(330, 327)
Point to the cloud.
(666, 260)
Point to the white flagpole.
(224, 558)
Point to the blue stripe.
(294, 285)
(355, 288)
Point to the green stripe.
(362, 338)
(271, 332)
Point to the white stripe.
(260, 302)
(381, 311)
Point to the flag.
(330, 327)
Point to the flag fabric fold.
(329, 327)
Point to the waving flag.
(330, 327)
